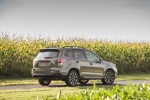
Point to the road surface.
(64, 85)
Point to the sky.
(89, 19)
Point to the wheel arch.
(109, 69)
(112, 70)
(75, 70)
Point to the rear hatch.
(46, 58)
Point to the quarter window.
(69, 54)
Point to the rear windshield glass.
(46, 54)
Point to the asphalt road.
(64, 85)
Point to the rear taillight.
(60, 61)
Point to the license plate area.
(44, 64)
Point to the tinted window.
(48, 54)
(91, 56)
(79, 54)
(69, 54)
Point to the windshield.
(47, 54)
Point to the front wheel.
(44, 82)
(72, 78)
(109, 77)
(83, 82)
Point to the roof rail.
(72, 47)
(53, 47)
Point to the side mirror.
(97, 61)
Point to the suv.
(72, 65)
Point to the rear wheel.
(109, 77)
(72, 78)
(83, 82)
(44, 82)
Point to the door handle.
(77, 61)
(91, 63)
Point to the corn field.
(17, 53)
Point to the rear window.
(47, 53)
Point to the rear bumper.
(52, 77)
(48, 73)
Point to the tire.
(72, 78)
(83, 82)
(109, 77)
(44, 82)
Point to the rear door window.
(79, 54)
(47, 54)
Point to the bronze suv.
(72, 65)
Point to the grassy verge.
(39, 94)
(134, 77)
(20, 81)
(34, 94)
(100, 92)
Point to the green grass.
(127, 92)
(141, 76)
(20, 81)
(51, 92)
(33, 94)
(17, 81)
